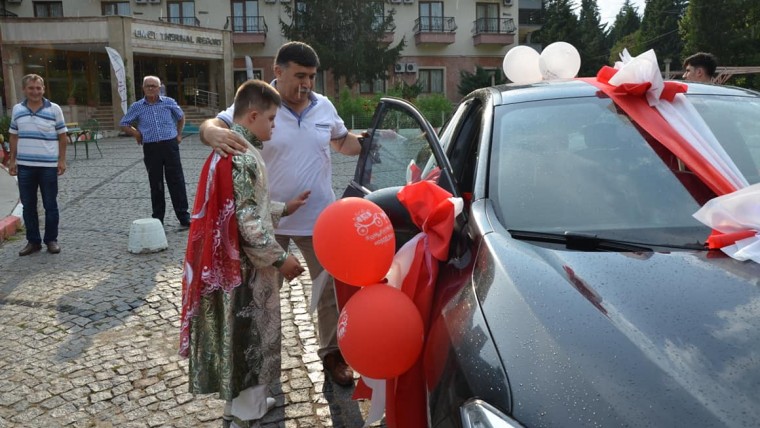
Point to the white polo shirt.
(37, 133)
(298, 158)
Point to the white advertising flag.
(248, 67)
(118, 68)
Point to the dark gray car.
(579, 291)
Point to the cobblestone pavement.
(88, 337)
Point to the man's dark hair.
(705, 60)
(255, 95)
(297, 52)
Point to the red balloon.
(380, 332)
(354, 241)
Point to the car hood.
(624, 338)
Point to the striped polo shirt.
(156, 122)
(37, 133)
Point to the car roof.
(573, 88)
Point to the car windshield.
(580, 165)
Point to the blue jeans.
(31, 178)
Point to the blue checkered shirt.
(156, 122)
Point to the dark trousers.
(162, 159)
(31, 178)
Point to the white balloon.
(559, 60)
(521, 65)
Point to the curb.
(9, 226)
(11, 223)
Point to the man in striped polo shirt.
(38, 156)
(156, 124)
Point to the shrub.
(5, 123)
(435, 107)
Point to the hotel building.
(198, 47)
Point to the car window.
(735, 121)
(580, 165)
(400, 152)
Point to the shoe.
(53, 247)
(270, 403)
(29, 249)
(185, 223)
(339, 371)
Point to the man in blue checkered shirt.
(156, 123)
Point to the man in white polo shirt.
(298, 159)
(38, 156)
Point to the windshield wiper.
(582, 241)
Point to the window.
(48, 9)
(301, 10)
(487, 18)
(378, 11)
(245, 16)
(431, 16)
(431, 81)
(117, 8)
(181, 12)
(376, 86)
(240, 76)
(319, 82)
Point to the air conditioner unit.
(396, 1)
(409, 1)
(271, 1)
(507, 2)
(141, 1)
(154, 1)
(399, 67)
(13, 1)
(411, 67)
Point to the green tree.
(347, 35)
(659, 28)
(729, 30)
(560, 24)
(629, 42)
(482, 78)
(627, 21)
(593, 44)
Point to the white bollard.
(146, 235)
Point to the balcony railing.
(247, 24)
(190, 21)
(494, 26)
(7, 14)
(435, 24)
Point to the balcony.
(435, 30)
(189, 21)
(493, 31)
(247, 29)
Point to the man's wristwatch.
(281, 260)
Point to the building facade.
(199, 47)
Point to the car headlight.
(479, 414)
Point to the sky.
(608, 9)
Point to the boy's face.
(262, 123)
(696, 74)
